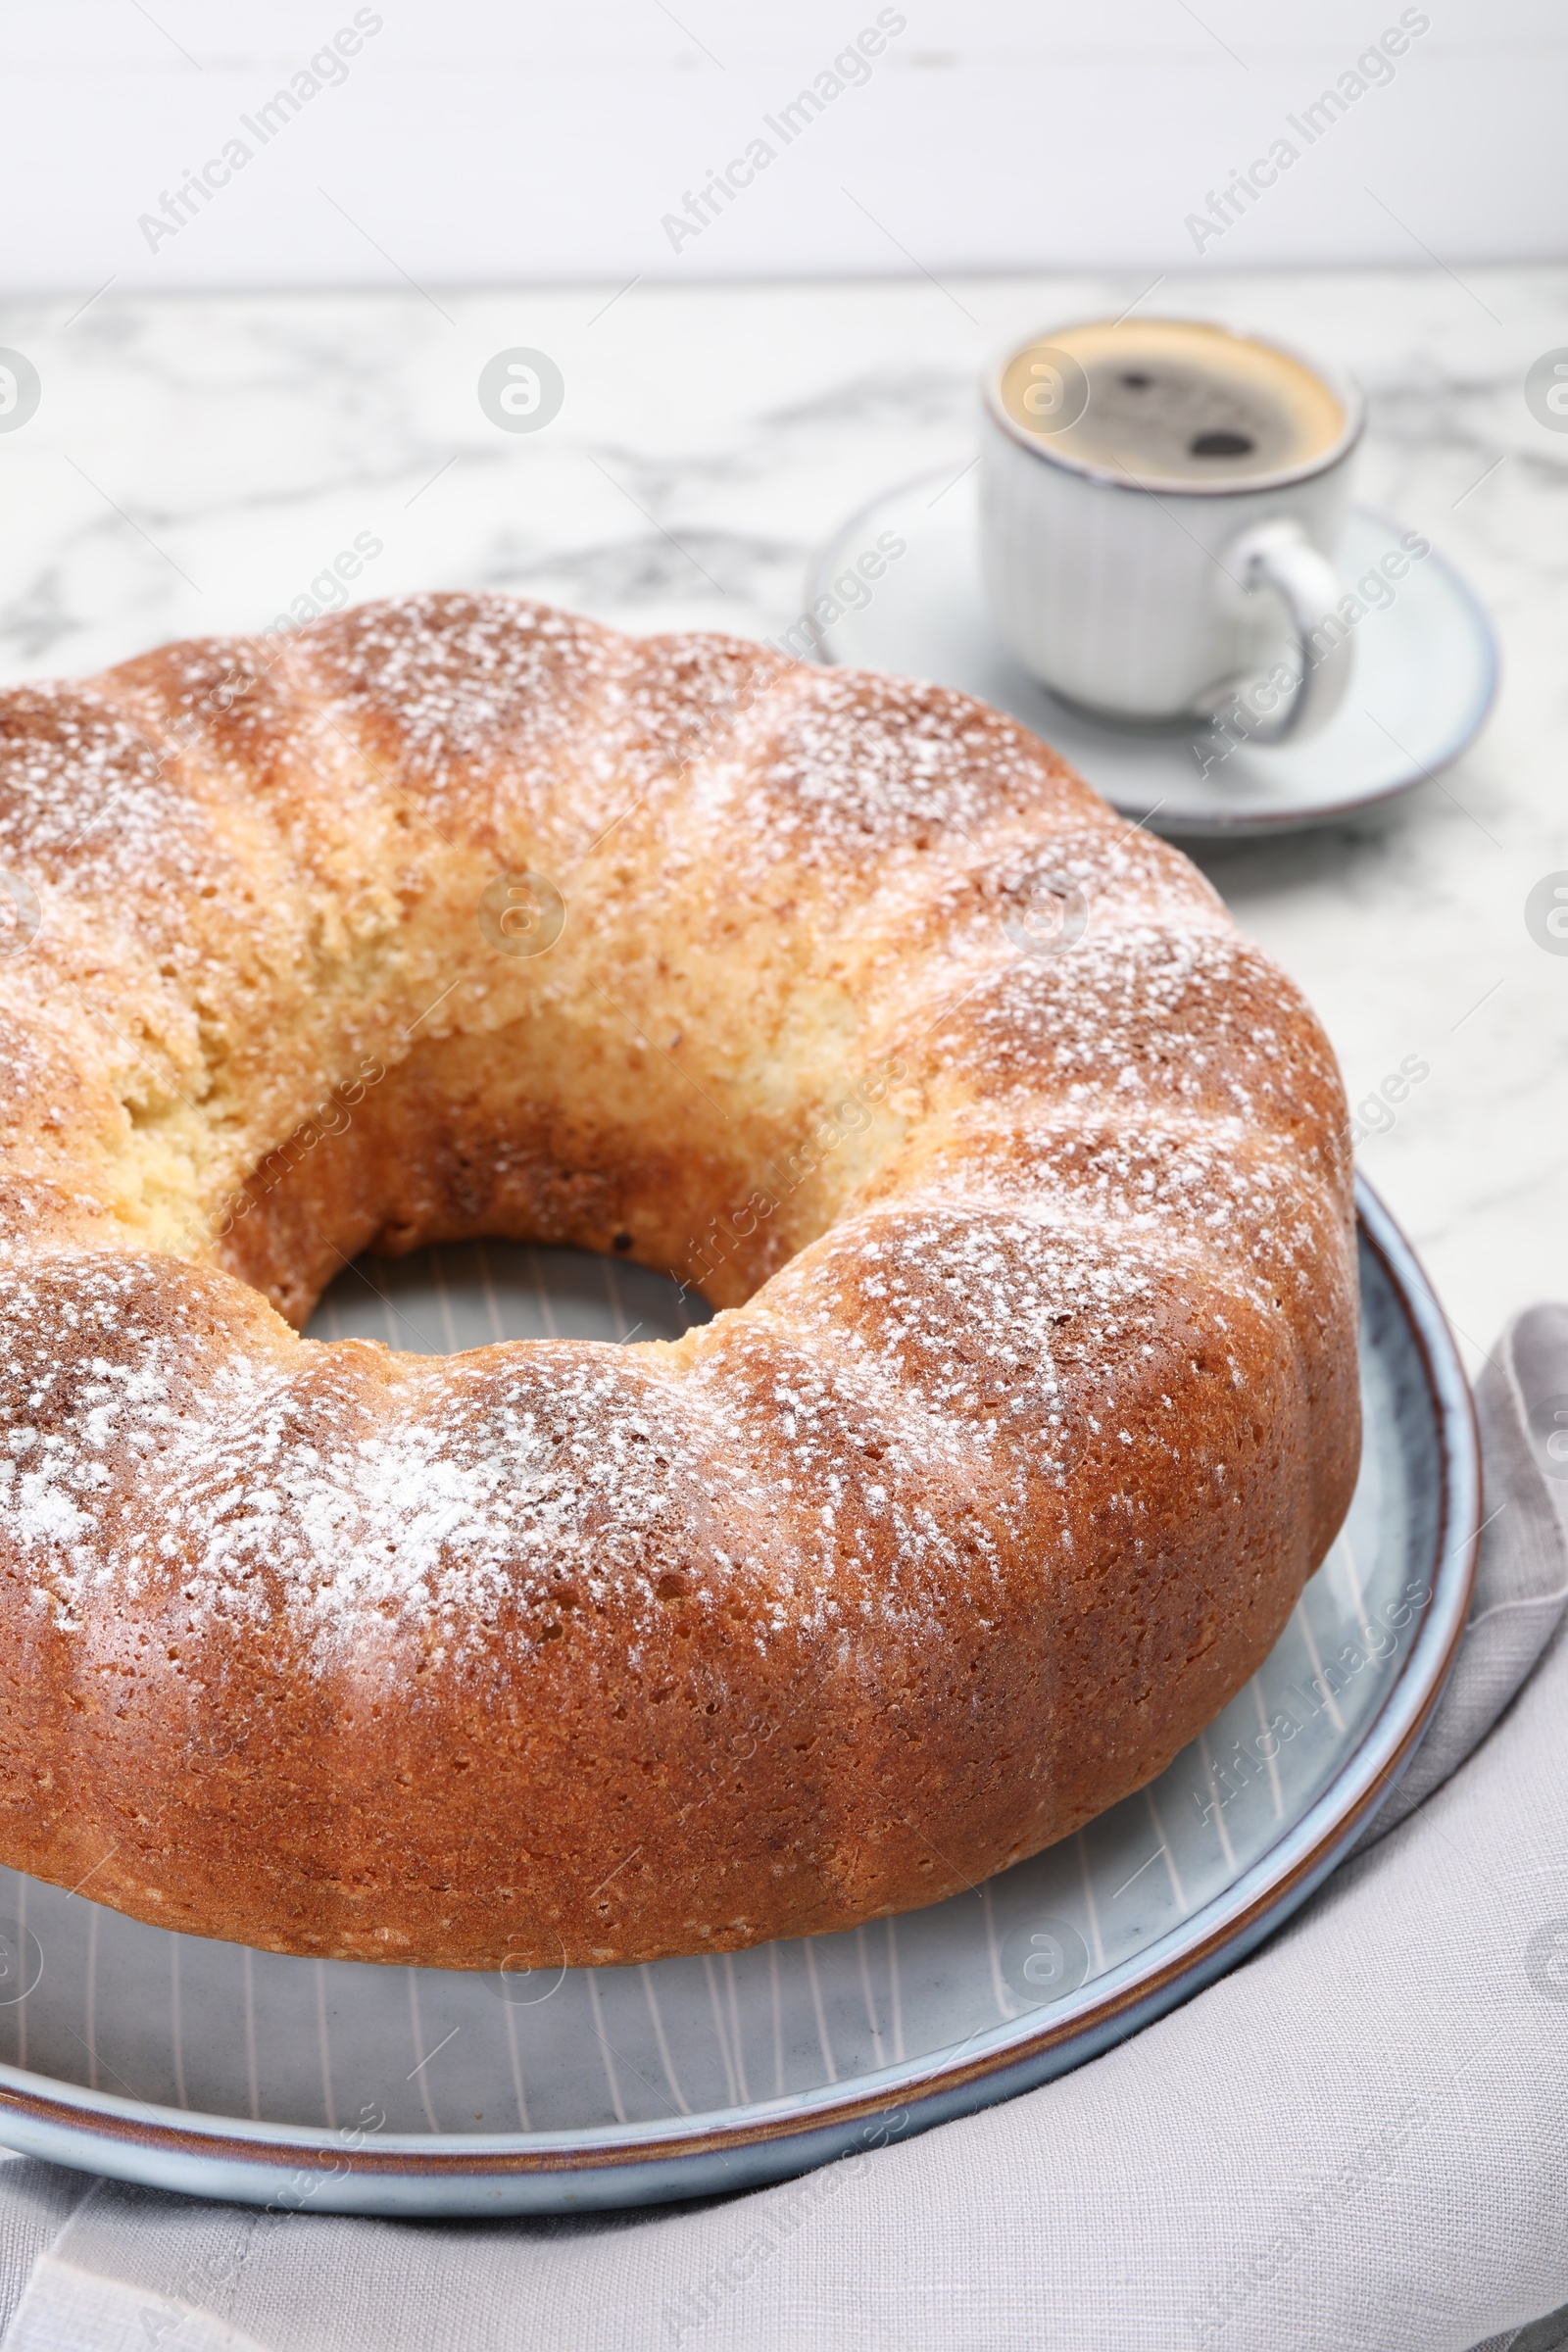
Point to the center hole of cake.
(459, 1294)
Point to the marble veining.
(197, 462)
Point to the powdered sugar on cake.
(1064, 1310)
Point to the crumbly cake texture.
(1033, 1408)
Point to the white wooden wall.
(473, 141)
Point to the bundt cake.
(1017, 1173)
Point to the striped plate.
(345, 2088)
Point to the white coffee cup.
(1144, 583)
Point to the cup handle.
(1280, 556)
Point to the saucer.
(1426, 671)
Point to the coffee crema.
(1172, 402)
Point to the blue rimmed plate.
(337, 2087)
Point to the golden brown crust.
(1036, 1409)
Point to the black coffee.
(1171, 401)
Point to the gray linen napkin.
(1351, 2144)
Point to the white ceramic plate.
(341, 2086)
(1426, 671)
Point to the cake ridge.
(1029, 1405)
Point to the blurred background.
(475, 143)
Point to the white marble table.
(196, 461)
